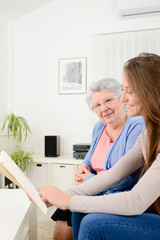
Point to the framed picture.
(72, 75)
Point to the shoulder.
(99, 126)
(135, 120)
(143, 136)
(142, 141)
(134, 125)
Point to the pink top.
(99, 156)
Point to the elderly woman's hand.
(53, 196)
(82, 173)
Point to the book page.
(10, 169)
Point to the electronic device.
(79, 155)
(81, 147)
(80, 150)
(52, 146)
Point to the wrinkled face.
(133, 106)
(108, 108)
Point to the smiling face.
(108, 108)
(133, 106)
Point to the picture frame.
(72, 75)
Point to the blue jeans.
(102, 226)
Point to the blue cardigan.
(120, 147)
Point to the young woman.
(124, 215)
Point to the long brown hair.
(144, 78)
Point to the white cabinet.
(38, 174)
(62, 175)
(58, 171)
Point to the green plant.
(20, 128)
(16, 124)
(22, 158)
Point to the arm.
(128, 164)
(84, 202)
(126, 203)
(133, 202)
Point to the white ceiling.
(17, 8)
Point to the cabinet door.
(38, 174)
(62, 175)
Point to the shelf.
(63, 159)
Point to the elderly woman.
(113, 136)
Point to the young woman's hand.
(53, 196)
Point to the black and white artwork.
(72, 75)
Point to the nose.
(103, 107)
(123, 97)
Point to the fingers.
(82, 173)
(82, 166)
(77, 177)
(80, 170)
(85, 170)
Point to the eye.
(129, 91)
(107, 100)
(97, 105)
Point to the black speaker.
(52, 146)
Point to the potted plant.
(16, 124)
(22, 158)
(19, 128)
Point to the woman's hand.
(82, 173)
(53, 196)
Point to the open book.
(10, 170)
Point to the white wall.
(3, 64)
(62, 29)
(10, 9)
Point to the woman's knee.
(88, 229)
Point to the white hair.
(105, 85)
